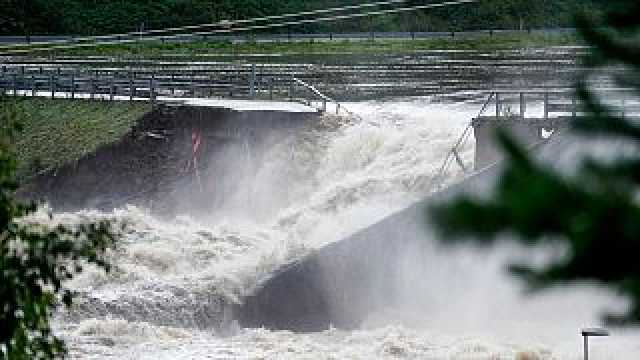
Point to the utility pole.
(591, 332)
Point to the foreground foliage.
(35, 260)
(595, 213)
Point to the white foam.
(344, 180)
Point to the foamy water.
(166, 297)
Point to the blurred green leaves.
(595, 212)
(35, 260)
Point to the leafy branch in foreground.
(595, 213)
(35, 260)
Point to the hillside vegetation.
(93, 17)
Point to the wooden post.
(34, 86)
(523, 106)
(15, 84)
(73, 86)
(23, 81)
(91, 88)
(51, 87)
(497, 105)
(574, 106)
(586, 347)
(173, 89)
(152, 89)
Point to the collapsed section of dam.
(193, 160)
(175, 160)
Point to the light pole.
(588, 332)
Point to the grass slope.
(60, 131)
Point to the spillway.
(319, 248)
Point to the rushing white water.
(165, 298)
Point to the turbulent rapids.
(178, 278)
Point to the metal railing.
(560, 102)
(320, 97)
(165, 86)
(266, 37)
(121, 84)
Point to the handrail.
(557, 90)
(150, 86)
(437, 181)
(313, 89)
(325, 98)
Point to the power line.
(223, 23)
(253, 27)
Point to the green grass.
(56, 132)
(483, 42)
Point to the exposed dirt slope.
(152, 165)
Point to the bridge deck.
(231, 104)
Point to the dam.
(305, 233)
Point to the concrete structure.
(386, 268)
(388, 265)
(558, 108)
(527, 132)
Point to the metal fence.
(162, 86)
(258, 37)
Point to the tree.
(82, 17)
(35, 260)
(596, 213)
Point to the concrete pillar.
(487, 150)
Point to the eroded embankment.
(59, 131)
(161, 160)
